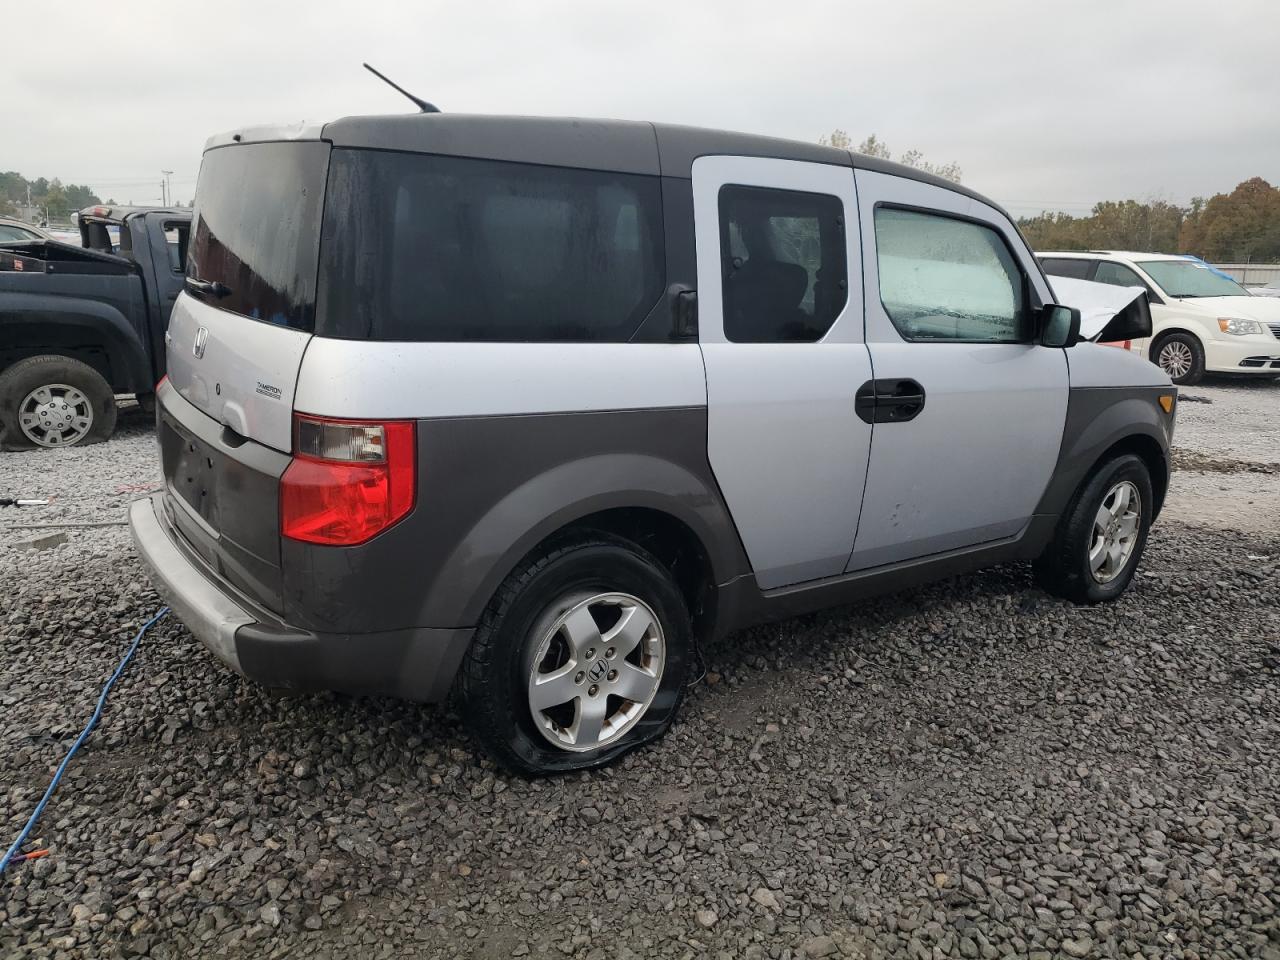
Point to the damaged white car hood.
(1098, 303)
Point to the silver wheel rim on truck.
(1115, 531)
(55, 415)
(1175, 359)
(595, 670)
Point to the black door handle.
(889, 401)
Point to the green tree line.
(1240, 226)
(57, 198)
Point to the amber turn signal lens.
(1166, 401)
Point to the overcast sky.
(1044, 105)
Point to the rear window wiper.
(213, 288)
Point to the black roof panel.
(620, 145)
(623, 145)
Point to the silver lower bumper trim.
(207, 612)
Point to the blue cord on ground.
(12, 855)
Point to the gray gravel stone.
(972, 769)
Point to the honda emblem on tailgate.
(202, 337)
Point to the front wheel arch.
(1160, 335)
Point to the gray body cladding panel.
(489, 490)
(1099, 418)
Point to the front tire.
(581, 657)
(1181, 356)
(54, 401)
(1099, 541)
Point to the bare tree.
(874, 147)
(837, 138)
(871, 147)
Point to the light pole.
(164, 187)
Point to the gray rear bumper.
(417, 663)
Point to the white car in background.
(19, 231)
(1202, 321)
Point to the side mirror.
(1131, 323)
(1059, 326)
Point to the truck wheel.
(1099, 541)
(581, 656)
(53, 401)
(1181, 357)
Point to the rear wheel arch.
(93, 336)
(670, 540)
(666, 509)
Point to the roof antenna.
(423, 106)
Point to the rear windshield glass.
(429, 248)
(257, 220)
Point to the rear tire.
(1181, 356)
(54, 401)
(1099, 540)
(558, 619)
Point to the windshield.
(1186, 278)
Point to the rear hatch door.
(235, 343)
(238, 331)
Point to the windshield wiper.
(213, 288)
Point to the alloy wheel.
(1115, 531)
(1175, 359)
(595, 670)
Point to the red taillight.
(348, 481)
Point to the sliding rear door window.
(783, 264)
(428, 248)
(1062, 267)
(257, 229)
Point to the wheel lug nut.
(613, 675)
(580, 677)
(610, 652)
(591, 653)
(593, 690)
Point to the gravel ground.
(971, 770)
(1231, 418)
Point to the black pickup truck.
(79, 325)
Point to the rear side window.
(1117, 274)
(431, 248)
(1061, 267)
(783, 264)
(9, 233)
(176, 236)
(257, 229)
(942, 279)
